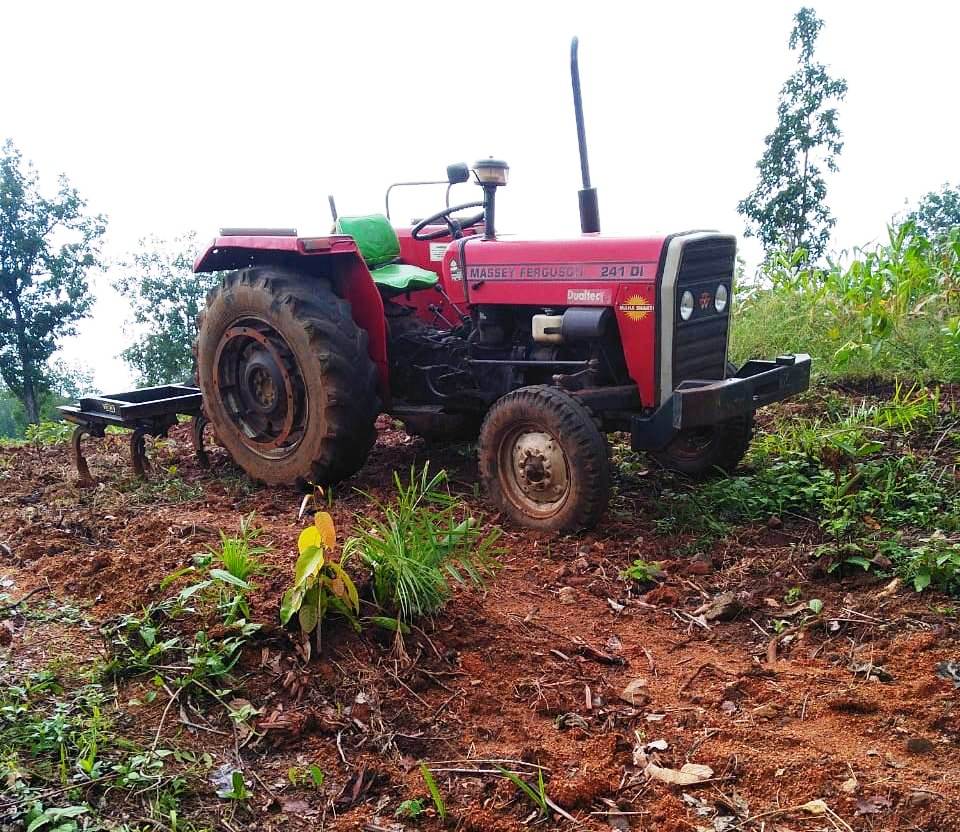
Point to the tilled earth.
(559, 662)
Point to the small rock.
(722, 608)
(567, 595)
(728, 707)
(920, 798)
(688, 774)
(635, 692)
(919, 745)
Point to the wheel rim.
(258, 380)
(691, 444)
(533, 470)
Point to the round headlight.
(720, 298)
(686, 305)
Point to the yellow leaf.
(324, 524)
(309, 537)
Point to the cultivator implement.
(151, 411)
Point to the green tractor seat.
(380, 248)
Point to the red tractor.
(537, 347)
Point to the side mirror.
(457, 173)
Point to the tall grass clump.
(892, 310)
(418, 543)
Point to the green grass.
(419, 543)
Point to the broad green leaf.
(387, 623)
(292, 599)
(310, 609)
(308, 564)
(922, 581)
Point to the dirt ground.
(850, 712)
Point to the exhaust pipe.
(589, 210)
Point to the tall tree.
(48, 245)
(166, 296)
(937, 213)
(788, 206)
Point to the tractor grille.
(700, 343)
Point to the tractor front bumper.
(697, 404)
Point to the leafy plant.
(642, 571)
(423, 541)
(47, 433)
(411, 809)
(319, 583)
(237, 790)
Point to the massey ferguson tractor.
(537, 348)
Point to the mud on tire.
(544, 461)
(312, 353)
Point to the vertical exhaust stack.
(589, 210)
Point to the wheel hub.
(539, 467)
(259, 382)
(263, 385)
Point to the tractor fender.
(335, 258)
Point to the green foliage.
(937, 213)
(320, 584)
(434, 790)
(48, 433)
(411, 809)
(423, 541)
(788, 207)
(237, 790)
(166, 296)
(47, 248)
(933, 561)
(891, 309)
(642, 571)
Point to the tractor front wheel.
(287, 381)
(543, 460)
(698, 452)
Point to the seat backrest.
(374, 236)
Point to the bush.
(892, 310)
(423, 541)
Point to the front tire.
(288, 384)
(699, 452)
(543, 460)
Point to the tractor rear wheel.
(543, 460)
(287, 381)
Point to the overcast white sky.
(181, 116)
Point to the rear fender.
(335, 258)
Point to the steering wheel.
(454, 227)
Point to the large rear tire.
(287, 380)
(543, 460)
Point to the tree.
(47, 247)
(167, 297)
(937, 213)
(788, 207)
